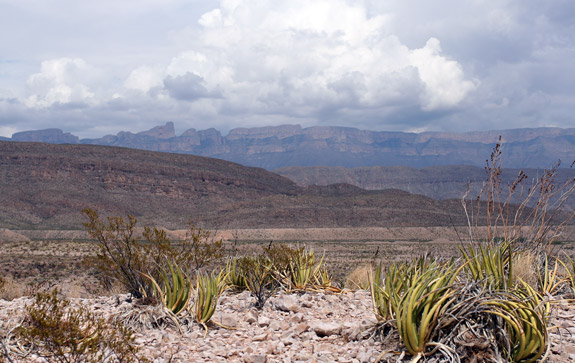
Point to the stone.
(263, 321)
(252, 317)
(260, 337)
(226, 320)
(287, 303)
(352, 331)
(300, 328)
(326, 328)
(297, 318)
(256, 359)
(274, 325)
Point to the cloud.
(398, 65)
(144, 78)
(302, 57)
(445, 83)
(188, 87)
(60, 81)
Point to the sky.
(99, 67)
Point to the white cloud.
(144, 78)
(60, 81)
(301, 57)
(445, 83)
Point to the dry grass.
(358, 279)
(10, 289)
(525, 265)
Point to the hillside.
(438, 182)
(291, 145)
(45, 186)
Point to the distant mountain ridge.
(437, 182)
(276, 147)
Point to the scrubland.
(499, 289)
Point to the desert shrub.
(297, 268)
(525, 267)
(57, 332)
(133, 260)
(259, 277)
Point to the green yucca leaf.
(208, 289)
(419, 303)
(569, 266)
(235, 277)
(525, 314)
(175, 289)
(490, 263)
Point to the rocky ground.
(307, 327)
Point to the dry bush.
(358, 279)
(132, 260)
(57, 332)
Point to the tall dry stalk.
(535, 222)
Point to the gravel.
(305, 327)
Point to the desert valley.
(342, 220)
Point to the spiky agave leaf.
(525, 314)
(491, 263)
(235, 277)
(208, 289)
(423, 302)
(175, 289)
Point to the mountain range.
(438, 182)
(283, 146)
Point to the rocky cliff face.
(291, 145)
(161, 132)
(52, 136)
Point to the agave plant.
(550, 282)
(297, 268)
(569, 265)
(525, 315)
(208, 289)
(174, 291)
(424, 300)
(306, 272)
(387, 291)
(491, 263)
(235, 276)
